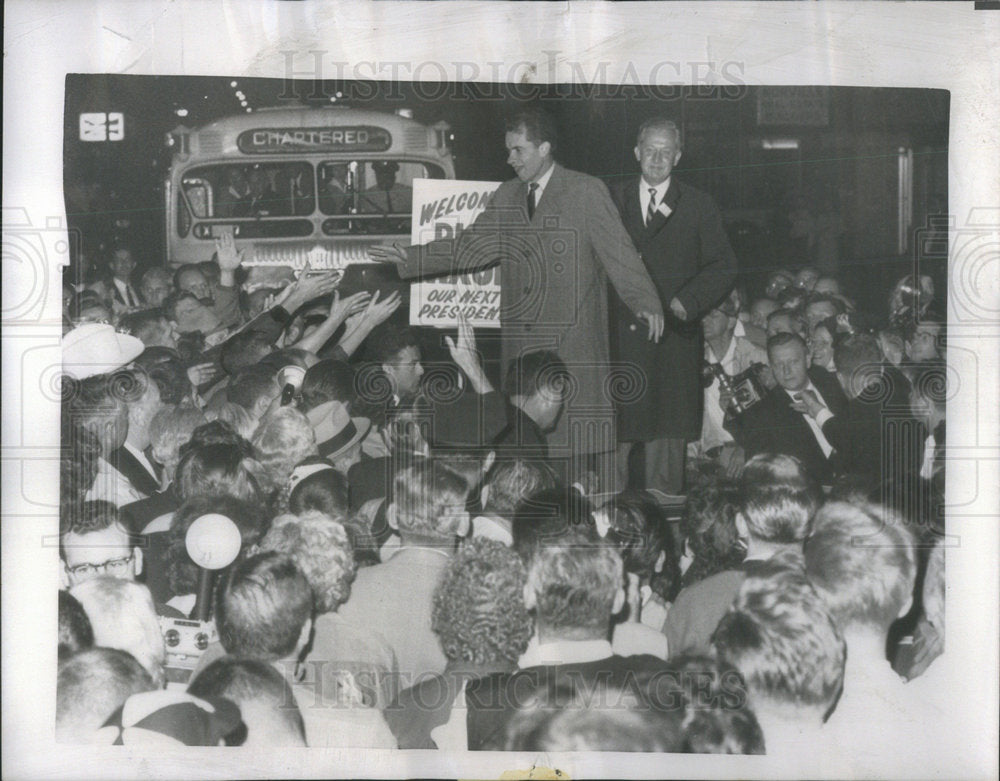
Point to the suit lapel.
(634, 219)
(548, 203)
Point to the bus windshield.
(355, 196)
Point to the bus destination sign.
(355, 138)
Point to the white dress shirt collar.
(564, 652)
(661, 191)
(542, 182)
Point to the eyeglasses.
(110, 567)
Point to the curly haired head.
(320, 547)
(283, 439)
(479, 614)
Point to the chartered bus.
(299, 184)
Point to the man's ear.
(660, 561)
(638, 157)
(390, 516)
(137, 563)
(619, 602)
(464, 526)
(677, 157)
(545, 149)
(64, 583)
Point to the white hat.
(336, 431)
(97, 348)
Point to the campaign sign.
(442, 208)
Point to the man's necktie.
(531, 199)
(651, 206)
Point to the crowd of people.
(415, 570)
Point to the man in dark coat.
(678, 231)
(559, 241)
(778, 423)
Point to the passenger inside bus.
(387, 197)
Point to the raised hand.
(464, 354)
(228, 256)
(202, 373)
(342, 308)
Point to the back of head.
(387, 341)
(262, 608)
(709, 527)
(320, 547)
(510, 481)
(283, 438)
(317, 486)
(860, 559)
(238, 418)
(244, 349)
(250, 385)
(779, 634)
(777, 499)
(479, 614)
(218, 469)
(75, 632)
(857, 355)
(123, 616)
(544, 518)
(638, 528)
(328, 380)
(575, 585)
(560, 720)
(429, 501)
(267, 705)
(536, 372)
(170, 428)
(92, 685)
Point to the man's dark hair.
(533, 372)
(324, 491)
(387, 341)
(218, 432)
(165, 367)
(780, 340)
(709, 527)
(75, 631)
(246, 681)
(512, 480)
(262, 608)
(251, 384)
(142, 324)
(538, 126)
(79, 453)
(95, 400)
(546, 518)
(328, 380)
(639, 529)
(169, 305)
(244, 349)
(250, 519)
(87, 518)
(93, 684)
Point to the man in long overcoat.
(558, 239)
(679, 233)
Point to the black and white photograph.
(568, 415)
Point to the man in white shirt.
(774, 425)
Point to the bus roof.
(375, 132)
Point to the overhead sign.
(354, 138)
(442, 208)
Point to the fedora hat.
(97, 348)
(336, 431)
